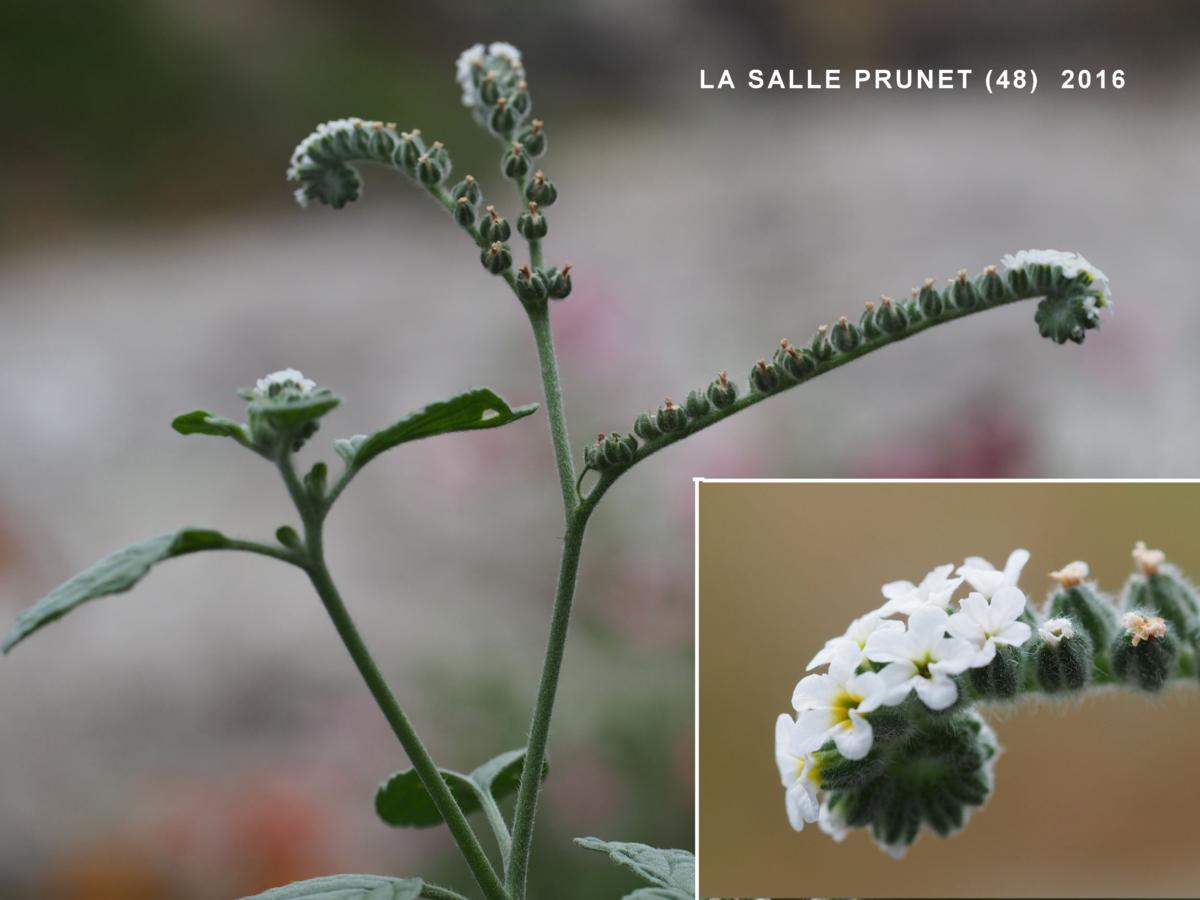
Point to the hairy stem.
(539, 320)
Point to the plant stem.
(422, 762)
(491, 811)
(539, 729)
(539, 319)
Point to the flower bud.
(434, 165)
(820, 347)
(464, 212)
(1091, 613)
(1160, 588)
(1019, 282)
(532, 224)
(697, 405)
(765, 377)
(534, 139)
(890, 317)
(1001, 678)
(383, 141)
(531, 287)
(797, 364)
(845, 336)
(722, 392)
(930, 300)
(520, 101)
(515, 162)
(618, 449)
(1144, 653)
(497, 258)
(410, 151)
(558, 282)
(489, 91)
(645, 428)
(670, 418)
(287, 536)
(866, 322)
(494, 227)
(1061, 656)
(468, 188)
(962, 292)
(992, 287)
(503, 118)
(540, 189)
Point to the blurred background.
(205, 736)
(1093, 797)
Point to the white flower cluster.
(478, 56)
(880, 661)
(272, 384)
(1072, 265)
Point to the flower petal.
(1007, 604)
(855, 742)
(938, 692)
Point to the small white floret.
(1054, 631)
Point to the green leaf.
(290, 412)
(200, 421)
(403, 801)
(670, 869)
(346, 887)
(659, 893)
(480, 408)
(111, 575)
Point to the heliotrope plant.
(284, 411)
(890, 737)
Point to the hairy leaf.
(346, 887)
(201, 421)
(669, 869)
(403, 801)
(112, 575)
(480, 408)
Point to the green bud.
(531, 287)
(820, 347)
(670, 418)
(468, 188)
(494, 227)
(798, 364)
(434, 165)
(1019, 283)
(315, 481)
(722, 392)
(1061, 656)
(930, 300)
(867, 324)
(558, 282)
(532, 224)
(845, 336)
(765, 377)
(410, 151)
(1001, 678)
(889, 317)
(1091, 612)
(697, 405)
(992, 287)
(464, 212)
(534, 139)
(540, 189)
(1160, 588)
(488, 90)
(383, 141)
(962, 292)
(286, 535)
(520, 100)
(645, 428)
(503, 120)
(497, 258)
(618, 449)
(515, 162)
(1144, 653)
(1043, 276)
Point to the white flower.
(985, 624)
(797, 773)
(1055, 630)
(856, 635)
(835, 705)
(923, 658)
(935, 589)
(1072, 574)
(284, 378)
(507, 51)
(1072, 265)
(464, 72)
(986, 579)
(831, 822)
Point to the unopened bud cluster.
(886, 738)
(283, 410)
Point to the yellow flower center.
(841, 706)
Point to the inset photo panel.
(948, 688)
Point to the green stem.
(427, 771)
(539, 319)
(539, 729)
(491, 811)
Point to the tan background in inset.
(1092, 798)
